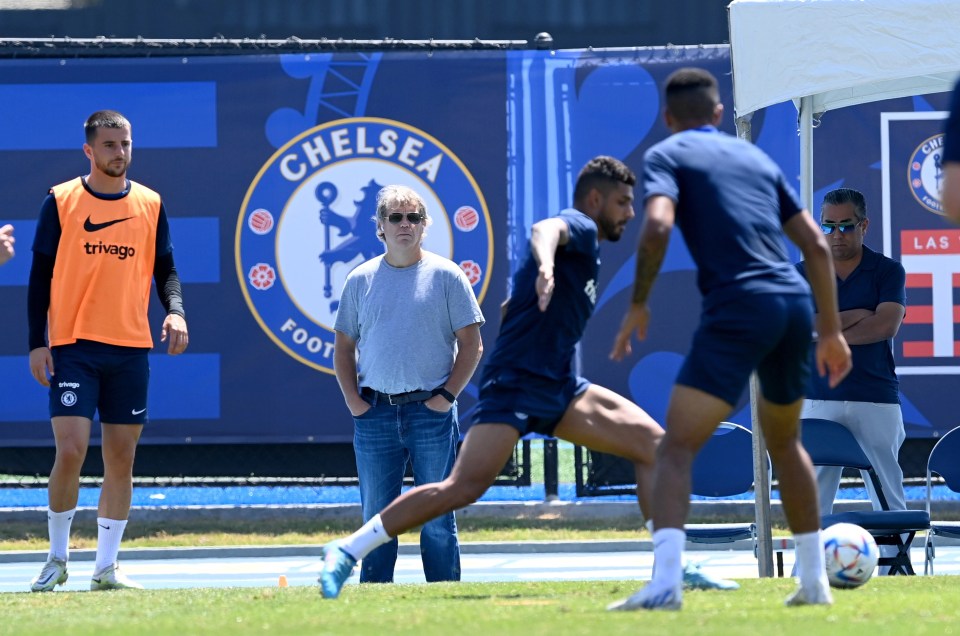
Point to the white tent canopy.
(841, 52)
(826, 54)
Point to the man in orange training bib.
(100, 240)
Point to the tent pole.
(761, 476)
(806, 152)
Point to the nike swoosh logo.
(103, 526)
(136, 412)
(90, 226)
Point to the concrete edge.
(700, 511)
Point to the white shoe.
(661, 598)
(337, 568)
(814, 596)
(111, 578)
(695, 578)
(54, 573)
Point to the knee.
(639, 451)
(120, 459)
(880, 447)
(673, 449)
(464, 492)
(782, 450)
(779, 447)
(71, 454)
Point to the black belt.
(396, 399)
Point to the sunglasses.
(828, 228)
(413, 217)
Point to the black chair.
(945, 461)
(831, 444)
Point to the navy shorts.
(94, 376)
(767, 332)
(528, 403)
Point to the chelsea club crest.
(925, 173)
(307, 221)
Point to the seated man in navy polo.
(872, 301)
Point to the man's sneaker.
(664, 598)
(337, 568)
(54, 573)
(111, 578)
(814, 596)
(696, 579)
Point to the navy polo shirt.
(877, 279)
(951, 140)
(732, 201)
(543, 342)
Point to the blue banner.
(268, 165)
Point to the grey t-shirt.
(404, 321)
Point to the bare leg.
(798, 492)
(798, 482)
(119, 449)
(606, 422)
(692, 418)
(483, 455)
(72, 435)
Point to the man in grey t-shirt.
(407, 342)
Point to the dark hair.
(692, 95)
(840, 196)
(602, 173)
(103, 119)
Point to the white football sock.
(365, 540)
(810, 567)
(668, 557)
(109, 534)
(649, 524)
(58, 527)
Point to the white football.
(851, 555)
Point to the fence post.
(551, 478)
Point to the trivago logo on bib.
(307, 221)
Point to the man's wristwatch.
(447, 395)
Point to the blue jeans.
(385, 439)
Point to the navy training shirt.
(543, 343)
(731, 203)
(877, 279)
